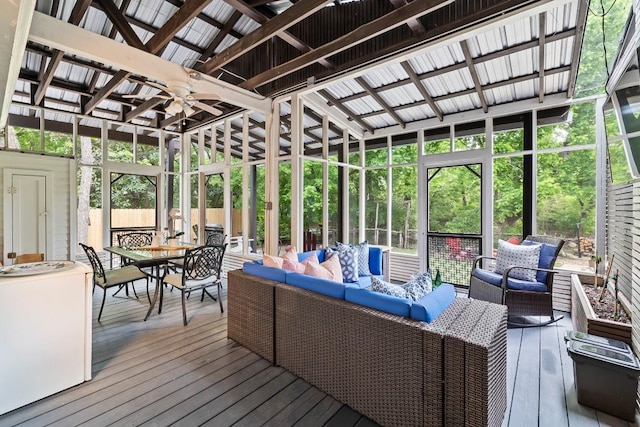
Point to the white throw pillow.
(519, 255)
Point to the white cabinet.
(45, 334)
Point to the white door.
(27, 216)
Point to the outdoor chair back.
(201, 269)
(110, 278)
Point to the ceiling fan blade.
(193, 96)
(159, 96)
(161, 87)
(207, 108)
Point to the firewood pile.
(586, 244)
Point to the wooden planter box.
(584, 319)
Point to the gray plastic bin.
(606, 374)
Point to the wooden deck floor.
(159, 373)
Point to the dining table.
(151, 256)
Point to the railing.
(453, 255)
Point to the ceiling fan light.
(187, 109)
(174, 108)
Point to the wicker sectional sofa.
(392, 369)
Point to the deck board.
(161, 373)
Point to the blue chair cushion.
(315, 284)
(378, 301)
(547, 253)
(375, 261)
(258, 269)
(304, 255)
(517, 284)
(427, 308)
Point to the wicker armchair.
(521, 298)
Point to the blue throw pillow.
(383, 287)
(363, 256)
(348, 263)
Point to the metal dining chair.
(201, 269)
(109, 278)
(136, 239)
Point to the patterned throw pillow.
(522, 256)
(383, 287)
(363, 256)
(418, 286)
(348, 262)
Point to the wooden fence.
(146, 218)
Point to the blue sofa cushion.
(378, 301)
(375, 261)
(258, 269)
(319, 253)
(429, 307)
(320, 286)
(362, 251)
(517, 284)
(547, 253)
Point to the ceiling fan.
(181, 97)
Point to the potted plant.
(173, 239)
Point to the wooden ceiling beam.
(359, 35)
(224, 31)
(376, 96)
(285, 36)
(541, 53)
(423, 91)
(340, 106)
(77, 14)
(527, 77)
(188, 11)
(581, 23)
(416, 26)
(117, 18)
(207, 19)
(460, 65)
(471, 66)
(142, 108)
(272, 27)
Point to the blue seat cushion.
(375, 261)
(258, 269)
(517, 284)
(547, 253)
(315, 284)
(378, 301)
(429, 307)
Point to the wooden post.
(606, 278)
(616, 307)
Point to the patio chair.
(136, 239)
(522, 297)
(201, 268)
(109, 278)
(23, 258)
(215, 239)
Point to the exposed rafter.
(119, 21)
(376, 96)
(542, 27)
(350, 114)
(418, 84)
(272, 27)
(359, 35)
(187, 11)
(474, 74)
(77, 13)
